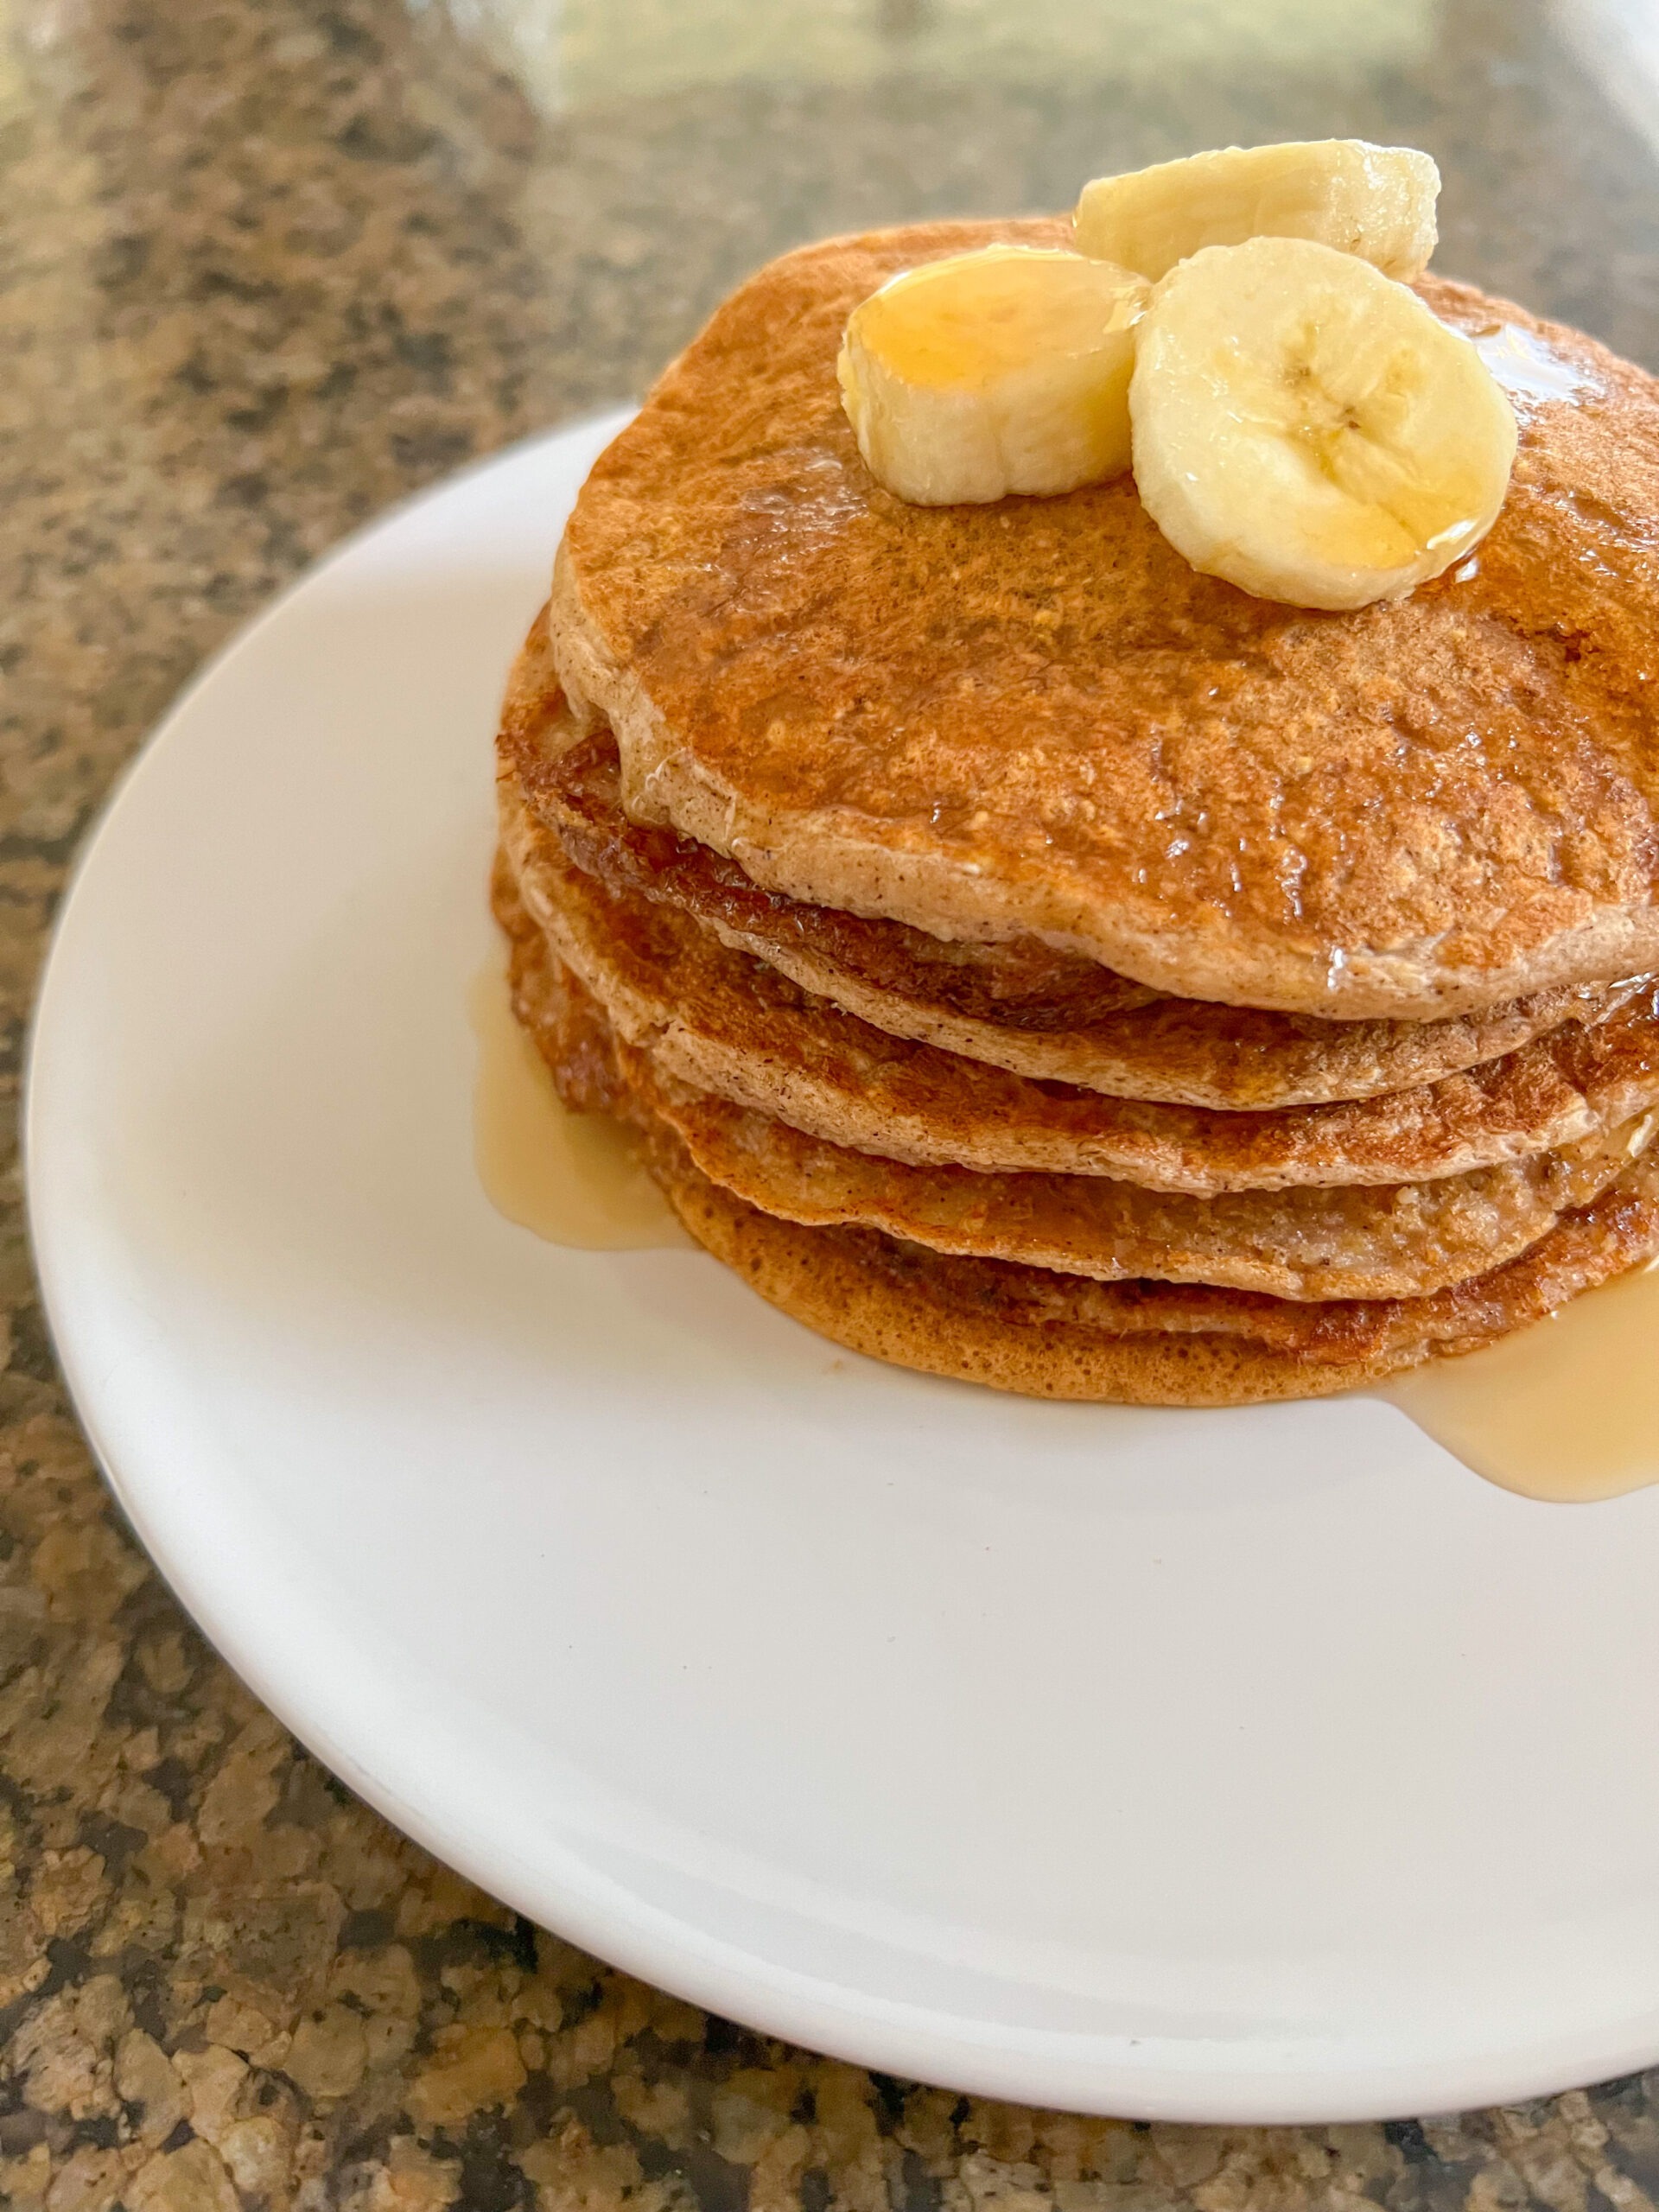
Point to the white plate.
(1214, 1766)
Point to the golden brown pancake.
(1399, 1241)
(1033, 718)
(1020, 1006)
(1049, 1334)
(724, 1022)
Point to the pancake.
(724, 1022)
(1053, 1016)
(1298, 1244)
(1034, 719)
(1049, 1334)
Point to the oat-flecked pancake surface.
(1046, 1334)
(1018, 1005)
(1035, 717)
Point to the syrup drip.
(576, 1179)
(1568, 1410)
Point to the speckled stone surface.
(262, 268)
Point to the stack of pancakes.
(1028, 959)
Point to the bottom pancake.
(1044, 1333)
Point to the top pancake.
(1035, 717)
(1016, 1004)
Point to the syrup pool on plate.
(574, 1178)
(1567, 1409)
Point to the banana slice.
(1376, 202)
(1307, 429)
(1002, 371)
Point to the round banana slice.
(1002, 371)
(1307, 429)
(1375, 201)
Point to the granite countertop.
(268, 265)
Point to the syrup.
(576, 1179)
(962, 323)
(1568, 1410)
(1531, 372)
